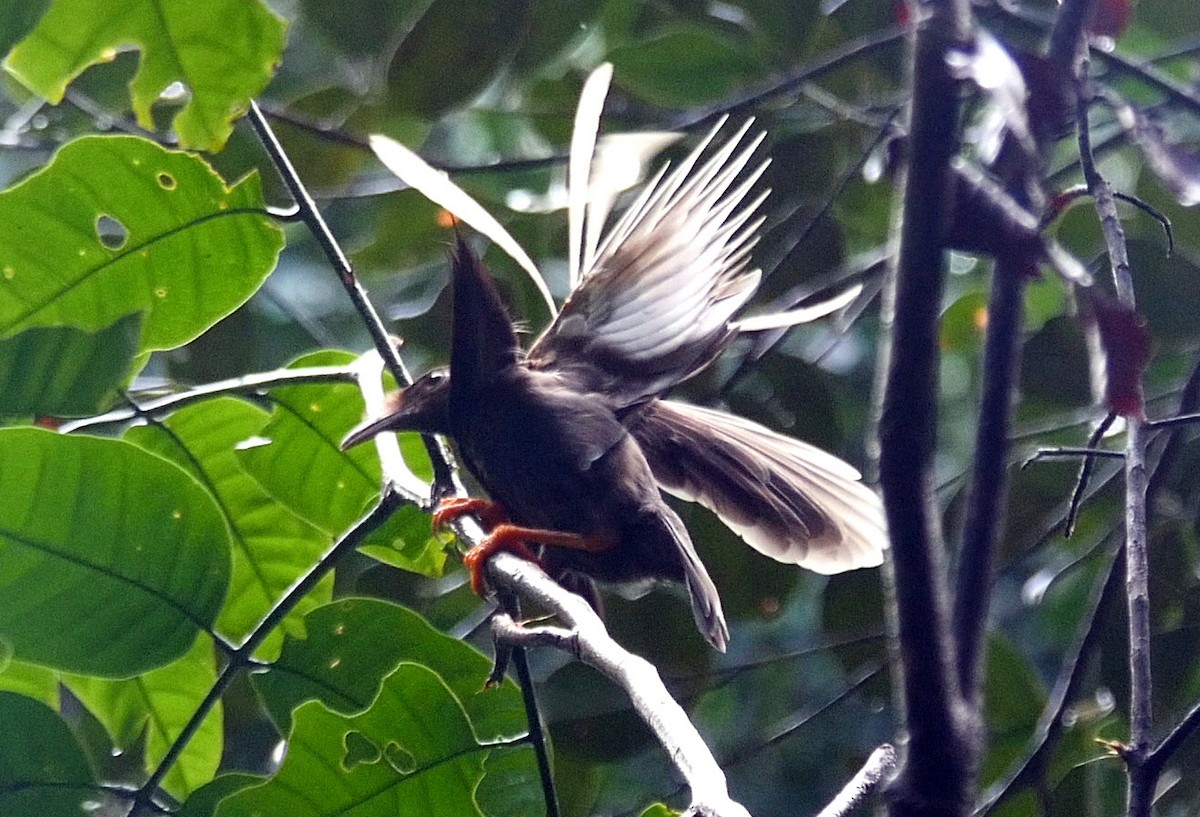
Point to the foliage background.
(104, 681)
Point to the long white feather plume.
(436, 186)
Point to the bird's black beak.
(423, 406)
(367, 431)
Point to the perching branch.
(585, 636)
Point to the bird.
(575, 440)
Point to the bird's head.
(424, 406)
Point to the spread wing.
(657, 302)
(787, 499)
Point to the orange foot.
(490, 513)
(515, 539)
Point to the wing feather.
(789, 500)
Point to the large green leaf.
(352, 644)
(362, 27)
(119, 224)
(43, 771)
(116, 225)
(222, 51)
(159, 704)
(684, 65)
(300, 461)
(111, 559)
(30, 680)
(272, 547)
(412, 753)
(64, 372)
(453, 52)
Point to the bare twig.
(1086, 468)
(585, 636)
(251, 384)
(243, 656)
(445, 477)
(1066, 687)
(1142, 779)
(878, 766)
(1072, 453)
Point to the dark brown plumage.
(574, 437)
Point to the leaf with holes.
(353, 644)
(222, 52)
(112, 560)
(116, 225)
(413, 752)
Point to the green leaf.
(362, 27)
(452, 53)
(30, 680)
(353, 644)
(204, 801)
(17, 18)
(112, 560)
(272, 547)
(223, 51)
(43, 770)
(963, 323)
(685, 65)
(116, 225)
(406, 541)
(412, 753)
(160, 703)
(300, 461)
(508, 788)
(64, 372)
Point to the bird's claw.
(503, 537)
(490, 514)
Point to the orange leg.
(515, 539)
(490, 513)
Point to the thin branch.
(1073, 452)
(1172, 422)
(445, 479)
(850, 52)
(1086, 468)
(989, 476)
(1142, 780)
(1175, 739)
(879, 765)
(251, 384)
(585, 636)
(243, 656)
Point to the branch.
(878, 766)
(585, 637)
(445, 477)
(935, 774)
(1142, 779)
(243, 657)
(251, 384)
